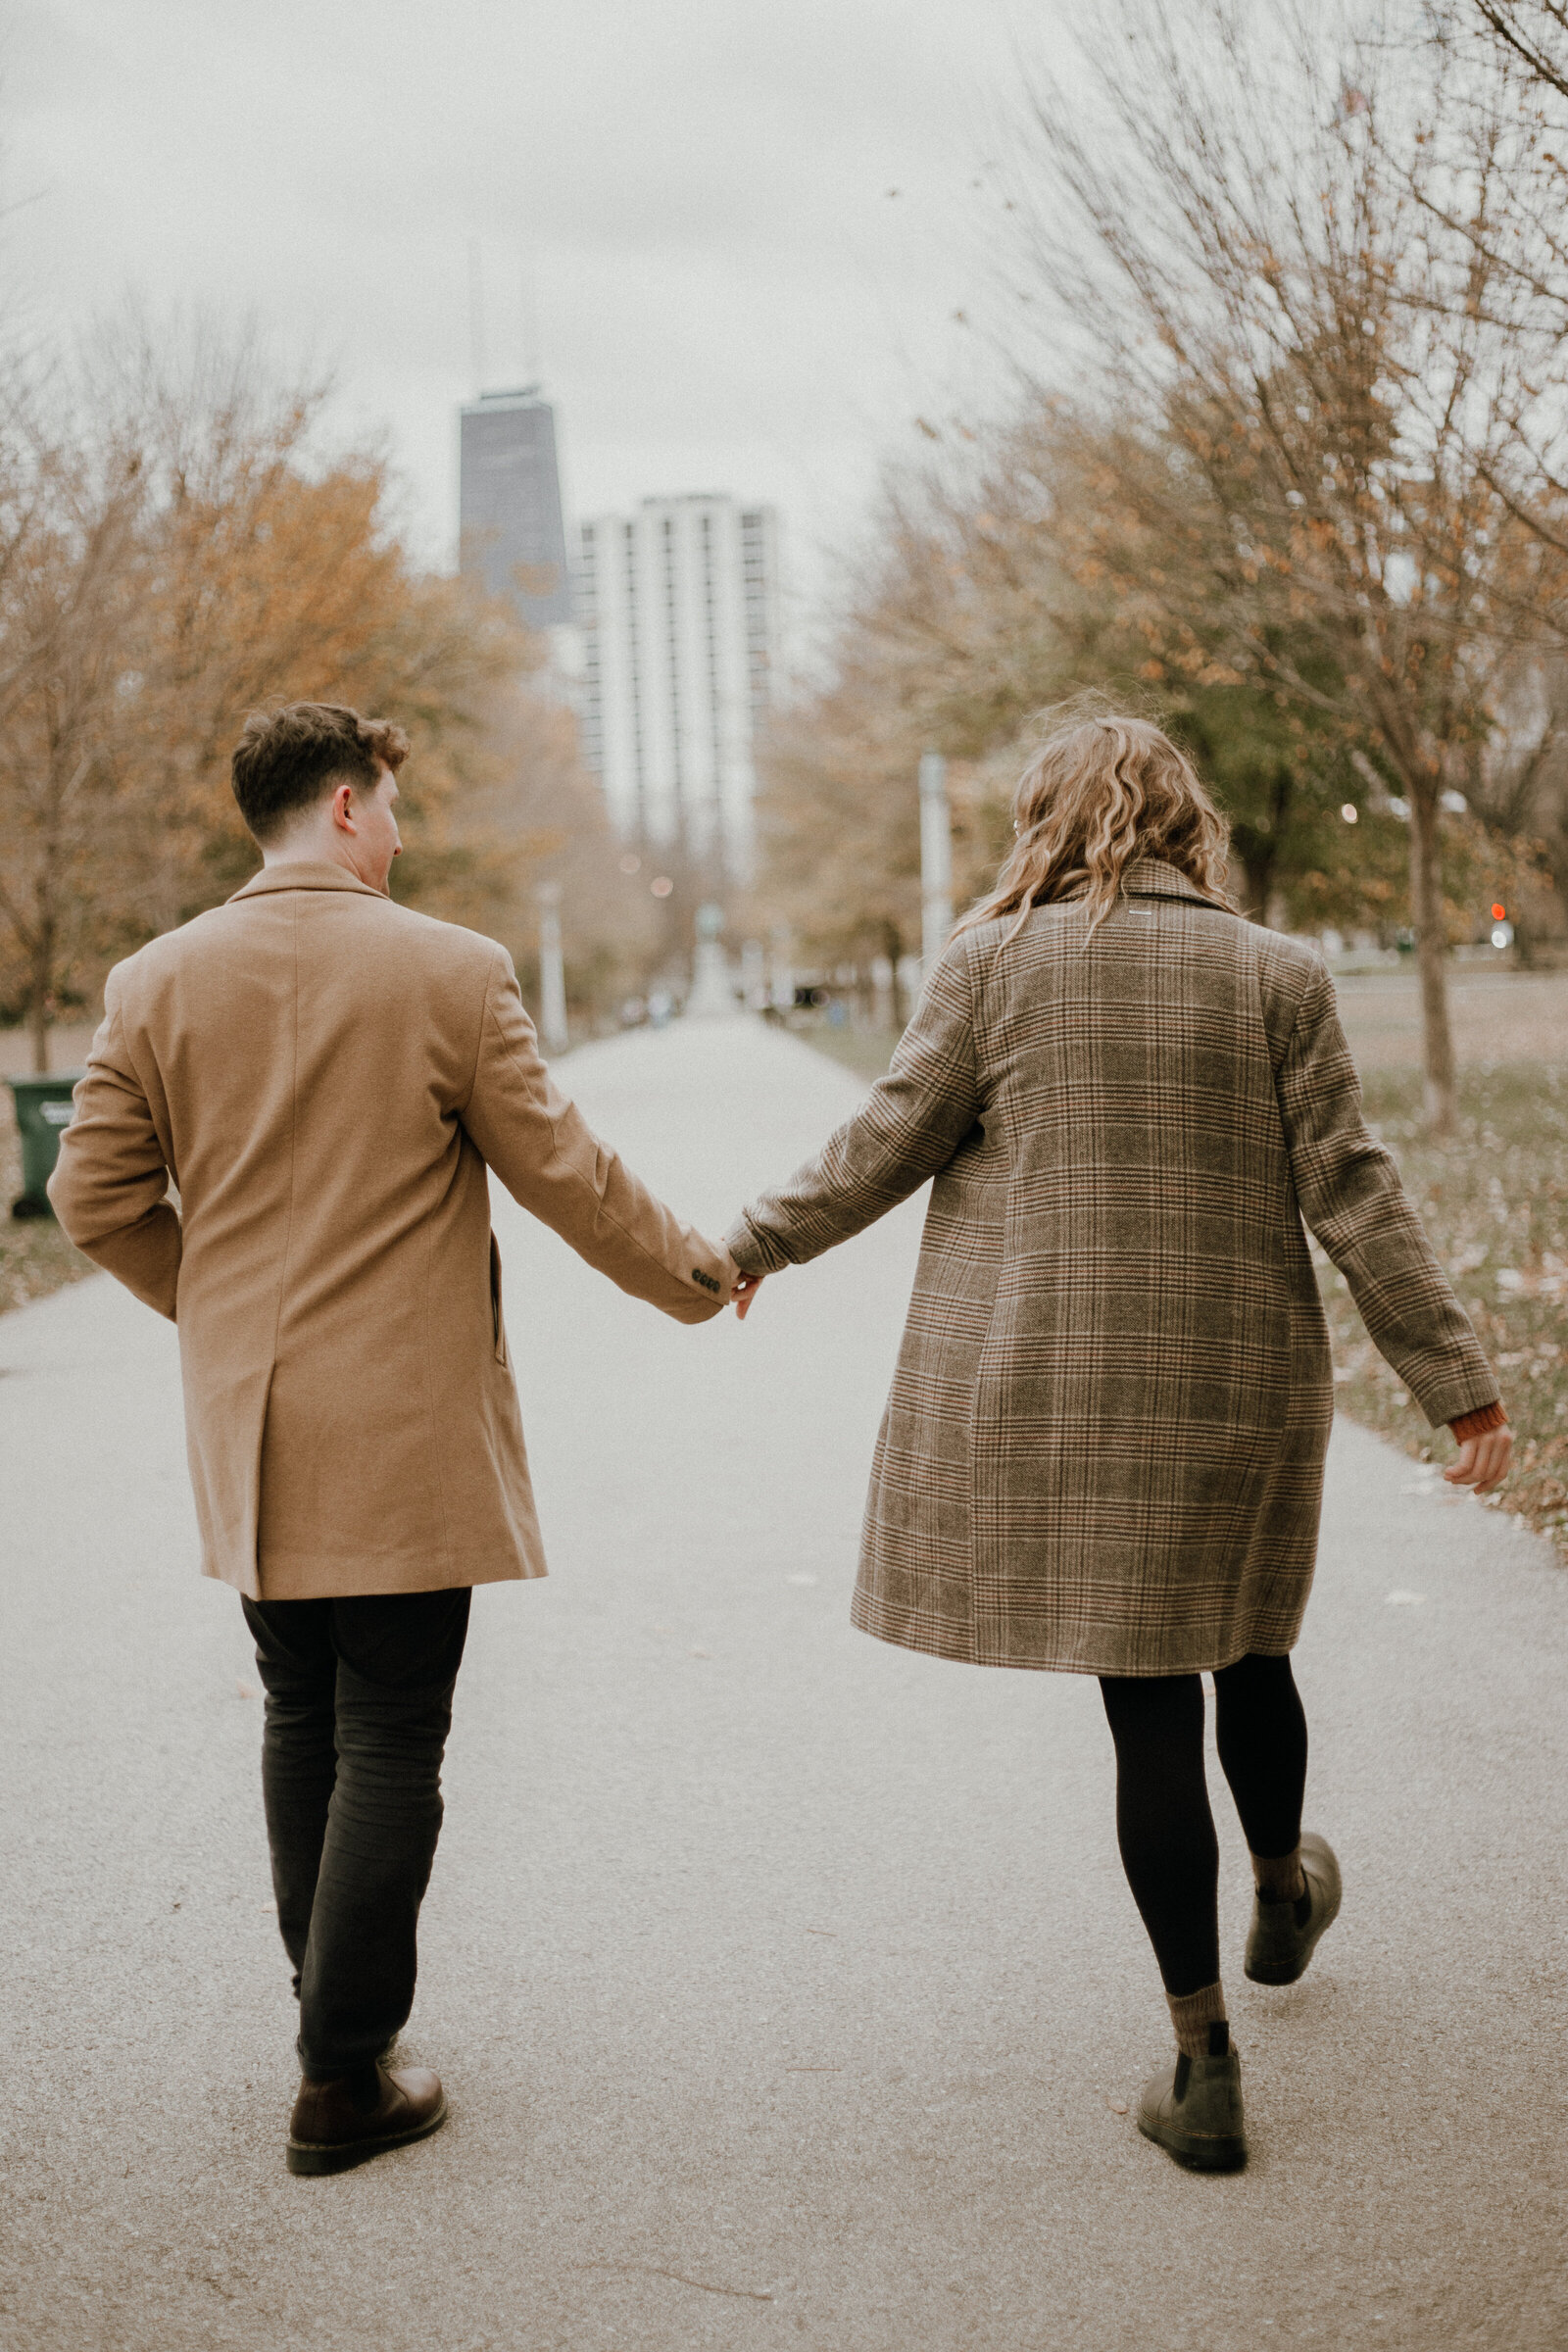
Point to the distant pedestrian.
(1103, 1449)
(329, 1080)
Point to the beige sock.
(1279, 1877)
(1193, 2013)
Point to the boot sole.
(1208, 2155)
(313, 2158)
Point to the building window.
(673, 651)
(634, 666)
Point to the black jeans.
(358, 1704)
(1163, 1823)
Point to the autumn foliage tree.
(1012, 572)
(1299, 283)
(176, 548)
(1296, 483)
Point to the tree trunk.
(1258, 869)
(893, 948)
(1432, 958)
(1257, 851)
(42, 1000)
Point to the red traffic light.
(1498, 913)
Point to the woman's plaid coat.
(1103, 1448)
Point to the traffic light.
(1499, 913)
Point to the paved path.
(785, 1985)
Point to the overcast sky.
(682, 207)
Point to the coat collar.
(1153, 878)
(307, 874)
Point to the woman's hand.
(1483, 1461)
(744, 1293)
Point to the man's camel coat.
(328, 1078)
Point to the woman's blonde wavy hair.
(1101, 791)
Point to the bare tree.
(1532, 33)
(1245, 238)
(1066, 550)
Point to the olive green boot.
(1284, 1935)
(1193, 2110)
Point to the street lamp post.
(781, 977)
(936, 859)
(552, 971)
(712, 997)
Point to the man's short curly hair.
(287, 758)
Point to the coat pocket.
(498, 1329)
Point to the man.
(328, 1079)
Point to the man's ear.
(342, 808)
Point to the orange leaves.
(222, 567)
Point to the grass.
(1494, 1201)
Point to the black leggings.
(1164, 1824)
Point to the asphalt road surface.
(785, 1985)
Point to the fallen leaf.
(247, 1690)
(1117, 2106)
(702, 1653)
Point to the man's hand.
(744, 1293)
(1482, 1461)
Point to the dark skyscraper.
(509, 505)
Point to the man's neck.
(306, 849)
(318, 849)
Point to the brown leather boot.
(328, 2132)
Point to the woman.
(1103, 1449)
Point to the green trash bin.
(44, 1110)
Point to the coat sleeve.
(1350, 1196)
(555, 1166)
(907, 1128)
(111, 1182)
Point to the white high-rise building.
(678, 608)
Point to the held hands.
(744, 1293)
(1482, 1461)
